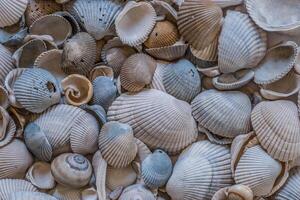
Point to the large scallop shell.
(117, 177)
(10, 186)
(11, 11)
(200, 171)
(137, 191)
(6, 63)
(241, 43)
(30, 196)
(158, 119)
(7, 127)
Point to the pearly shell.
(7, 127)
(11, 11)
(4, 101)
(137, 191)
(101, 70)
(30, 196)
(11, 186)
(6, 63)
(116, 177)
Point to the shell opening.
(51, 87)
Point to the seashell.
(137, 72)
(116, 177)
(156, 169)
(71, 20)
(39, 174)
(137, 191)
(89, 194)
(30, 196)
(135, 22)
(214, 138)
(181, 80)
(209, 53)
(157, 80)
(4, 102)
(72, 170)
(36, 90)
(210, 71)
(6, 63)
(11, 11)
(47, 39)
(235, 192)
(97, 111)
(11, 186)
(248, 51)
(233, 80)
(66, 193)
(100, 166)
(278, 61)
(105, 92)
(199, 22)
(164, 9)
(277, 127)
(234, 118)
(227, 3)
(97, 17)
(117, 144)
(7, 127)
(143, 150)
(158, 119)
(78, 89)
(79, 54)
(200, 171)
(101, 70)
(163, 34)
(25, 56)
(14, 160)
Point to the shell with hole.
(10, 186)
(120, 177)
(30, 196)
(7, 127)
(158, 119)
(11, 11)
(137, 191)
(6, 63)
(235, 192)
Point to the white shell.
(10, 186)
(11, 11)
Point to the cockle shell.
(6, 63)
(11, 186)
(235, 192)
(157, 80)
(47, 39)
(30, 196)
(200, 171)
(77, 89)
(227, 3)
(116, 177)
(7, 127)
(11, 11)
(72, 170)
(199, 22)
(234, 118)
(156, 169)
(158, 119)
(36, 90)
(277, 127)
(117, 144)
(101, 70)
(137, 191)
(4, 102)
(137, 72)
(75, 26)
(247, 51)
(135, 22)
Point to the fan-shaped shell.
(158, 119)
(4, 102)
(30, 196)
(137, 191)
(11, 186)
(135, 22)
(225, 114)
(101, 70)
(7, 127)
(277, 127)
(200, 171)
(6, 63)
(72, 170)
(199, 22)
(75, 26)
(241, 43)
(11, 11)
(117, 177)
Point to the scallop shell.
(246, 51)
(7, 127)
(235, 192)
(158, 119)
(156, 169)
(278, 61)
(6, 63)
(200, 171)
(4, 102)
(234, 118)
(137, 191)
(227, 3)
(277, 127)
(97, 111)
(79, 54)
(100, 166)
(9, 83)
(72, 170)
(36, 90)
(135, 22)
(78, 89)
(11, 186)
(117, 144)
(137, 72)
(199, 22)
(11, 11)
(117, 177)
(31, 196)
(101, 70)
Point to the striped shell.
(4, 101)
(157, 80)
(120, 177)
(137, 191)
(227, 3)
(6, 63)
(11, 11)
(209, 53)
(31, 196)
(101, 70)
(11, 186)
(66, 193)
(7, 127)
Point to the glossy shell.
(11, 11)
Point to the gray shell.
(9, 186)
(6, 63)
(30, 196)
(291, 189)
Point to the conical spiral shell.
(7, 127)
(137, 191)
(120, 177)
(6, 63)
(158, 119)
(11, 11)
(11, 186)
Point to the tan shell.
(4, 101)
(209, 53)
(6, 63)
(30, 196)
(66, 193)
(89, 194)
(100, 166)
(117, 177)
(164, 10)
(11, 11)
(7, 127)
(101, 70)
(199, 22)
(10, 186)
(210, 71)
(137, 191)
(235, 192)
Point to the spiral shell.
(30, 196)
(117, 177)
(6, 63)
(137, 191)
(11, 186)
(11, 11)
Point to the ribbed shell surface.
(11, 11)
(168, 53)
(291, 189)
(10, 186)
(31, 196)
(6, 63)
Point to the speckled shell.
(10, 186)
(116, 177)
(234, 118)
(247, 51)
(4, 101)
(7, 127)
(137, 191)
(277, 127)
(11, 11)
(158, 119)
(30, 196)
(6, 63)
(200, 171)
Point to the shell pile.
(149, 100)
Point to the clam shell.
(156, 169)
(135, 22)
(100, 166)
(199, 22)
(71, 19)
(11, 186)
(137, 191)
(200, 171)
(137, 72)
(78, 89)
(116, 177)
(11, 11)
(117, 144)
(227, 3)
(247, 51)
(7, 127)
(278, 61)
(31, 196)
(225, 114)
(72, 170)
(101, 70)
(79, 54)
(4, 102)
(209, 53)
(36, 90)
(235, 192)
(158, 119)
(6, 63)
(277, 127)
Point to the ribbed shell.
(11, 11)
(137, 191)
(157, 80)
(158, 119)
(4, 101)
(200, 171)
(168, 53)
(11, 186)
(291, 189)
(143, 150)
(209, 53)
(101, 70)
(277, 126)
(241, 43)
(7, 127)
(6, 63)
(31, 196)
(66, 193)
(116, 177)
(100, 167)
(199, 22)
(227, 3)
(225, 114)
(96, 16)
(71, 19)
